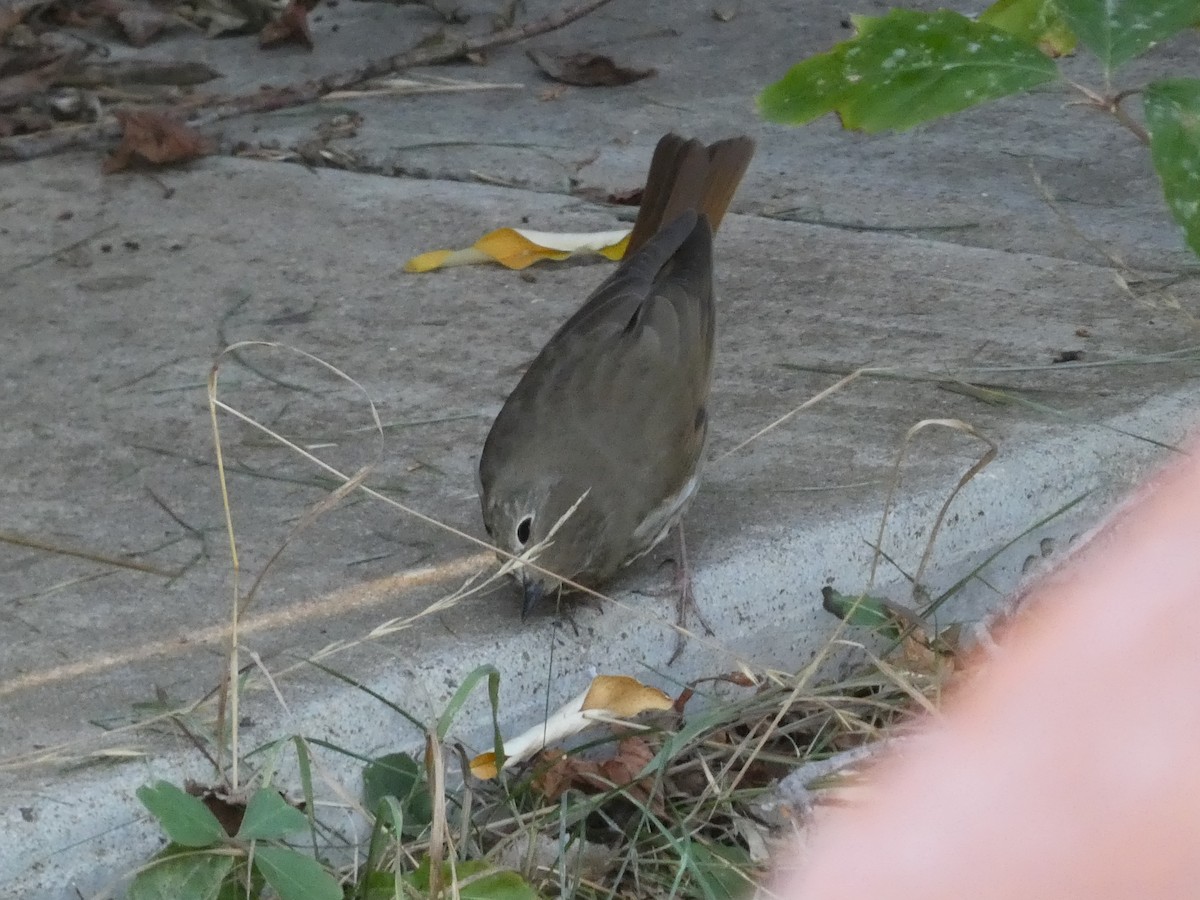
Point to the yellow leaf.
(484, 765)
(443, 259)
(623, 696)
(608, 697)
(517, 248)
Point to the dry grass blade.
(404, 87)
(240, 602)
(893, 488)
(812, 401)
(22, 540)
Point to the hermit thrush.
(611, 417)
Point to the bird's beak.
(534, 591)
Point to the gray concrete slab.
(956, 265)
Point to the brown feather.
(685, 175)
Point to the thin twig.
(307, 92)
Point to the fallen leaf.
(586, 69)
(559, 772)
(608, 698)
(517, 248)
(154, 139)
(622, 696)
(290, 28)
(632, 756)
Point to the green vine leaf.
(1172, 109)
(1039, 22)
(1118, 30)
(906, 68)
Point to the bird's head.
(553, 522)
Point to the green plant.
(208, 859)
(910, 67)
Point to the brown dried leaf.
(586, 69)
(633, 754)
(558, 773)
(290, 28)
(154, 139)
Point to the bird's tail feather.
(686, 175)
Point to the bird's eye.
(524, 529)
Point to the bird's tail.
(686, 175)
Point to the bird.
(599, 448)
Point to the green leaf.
(379, 885)
(1038, 22)
(497, 884)
(719, 872)
(304, 764)
(268, 816)
(392, 775)
(190, 875)
(906, 68)
(398, 779)
(1172, 110)
(294, 875)
(876, 613)
(183, 817)
(1118, 30)
(464, 690)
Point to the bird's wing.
(621, 387)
